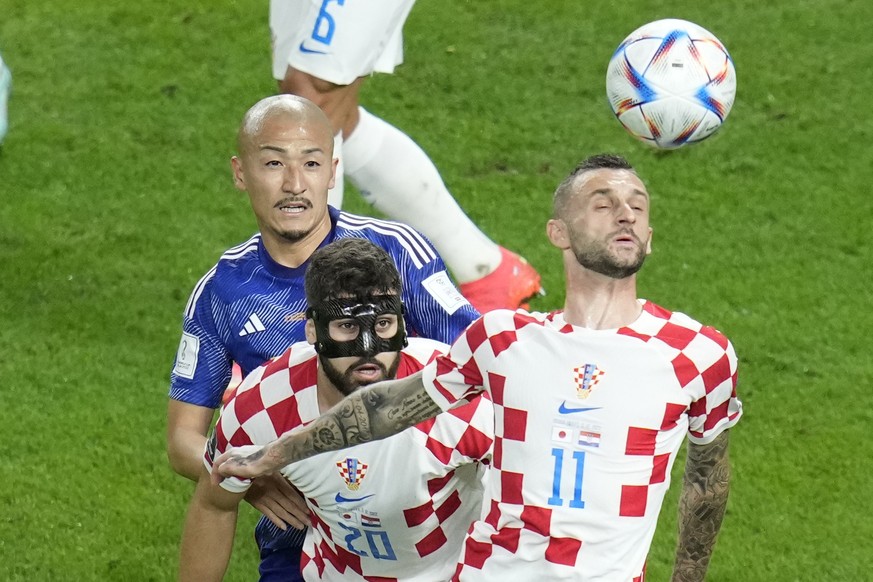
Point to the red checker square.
(697, 408)
(715, 416)
(563, 551)
(501, 341)
(676, 336)
(425, 425)
(431, 542)
(716, 374)
(474, 443)
(496, 383)
(476, 335)
(537, 519)
(475, 553)
(439, 483)
(221, 442)
(566, 328)
(418, 515)
(439, 450)
(240, 438)
(449, 507)
(511, 485)
(520, 320)
(631, 333)
(685, 370)
(633, 500)
(465, 412)
(672, 415)
(248, 404)
(514, 424)
(641, 441)
(284, 415)
(303, 374)
(659, 468)
(507, 538)
(657, 310)
(494, 515)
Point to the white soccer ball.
(671, 83)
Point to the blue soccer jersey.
(248, 308)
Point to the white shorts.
(337, 40)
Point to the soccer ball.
(671, 83)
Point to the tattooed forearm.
(371, 413)
(408, 408)
(701, 507)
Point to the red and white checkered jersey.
(385, 510)
(587, 427)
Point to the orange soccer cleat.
(509, 286)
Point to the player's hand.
(279, 501)
(246, 462)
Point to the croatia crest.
(586, 378)
(352, 471)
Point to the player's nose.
(292, 181)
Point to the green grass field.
(116, 196)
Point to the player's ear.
(556, 230)
(335, 165)
(309, 330)
(649, 242)
(238, 176)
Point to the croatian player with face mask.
(396, 509)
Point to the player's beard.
(300, 234)
(345, 381)
(596, 256)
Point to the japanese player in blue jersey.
(251, 305)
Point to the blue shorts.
(280, 552)
(280, 565)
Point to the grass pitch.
(117, 196)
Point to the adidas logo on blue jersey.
(253, 325)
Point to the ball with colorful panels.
(671, 83)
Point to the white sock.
(398, 178)
(335, 194)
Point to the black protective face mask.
(365, 311)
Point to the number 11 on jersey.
(556, 498)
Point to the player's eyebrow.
(609, 192)
(283, 150)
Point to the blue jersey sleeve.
(203, 365)
(435, 308)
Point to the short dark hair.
(596, 162)
(350, 267)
